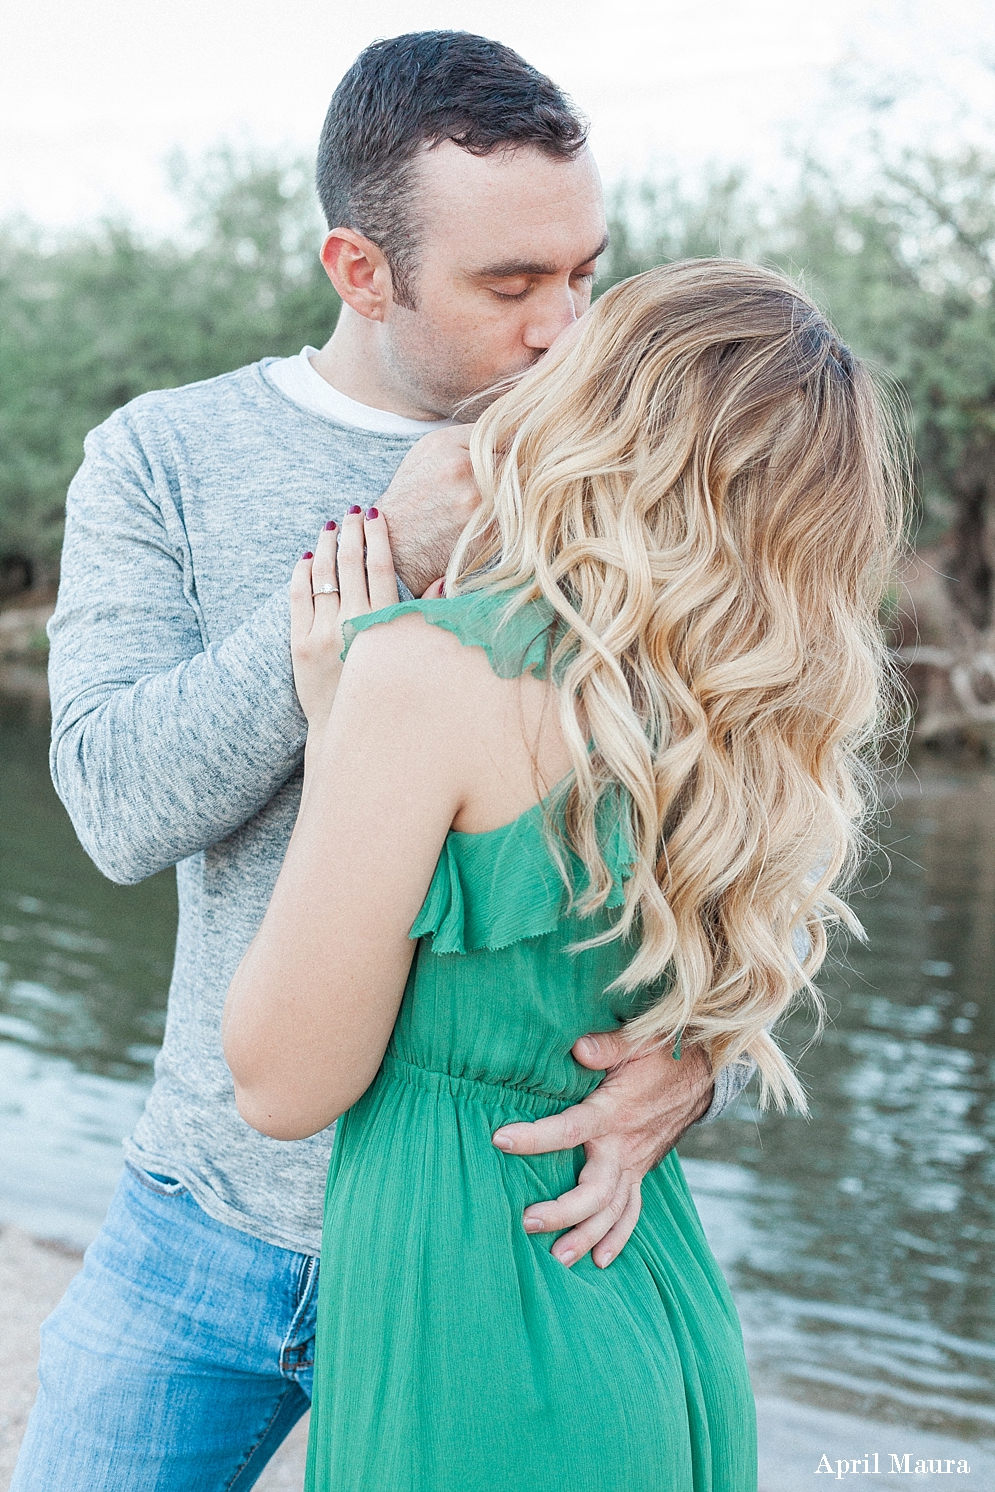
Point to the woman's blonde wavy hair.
(702, 484)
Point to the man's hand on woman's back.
(627, 1125)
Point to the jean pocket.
(155, 1181)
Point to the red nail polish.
(307, 554)
(442, 588)
(331, 525)
(373, 513)
(355, 508)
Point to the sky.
(94, 96)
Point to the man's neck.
(352, 362)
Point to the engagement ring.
(326, 590)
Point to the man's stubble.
(441, 372)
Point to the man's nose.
(551, 314)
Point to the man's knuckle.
(607, 1145)
(606, 1186)
(617, 1205)
(627, 1117)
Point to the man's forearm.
(162, 742)
(156, 770)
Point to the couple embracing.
(504, 886)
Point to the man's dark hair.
(418, 89)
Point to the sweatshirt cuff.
(729, 1084)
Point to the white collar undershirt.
(297, 378)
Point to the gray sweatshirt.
(177, 738)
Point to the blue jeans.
(179, 1358)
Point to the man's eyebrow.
(508, 269)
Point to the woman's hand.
(328, 587)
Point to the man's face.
(507, 249)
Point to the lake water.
(858, 1243)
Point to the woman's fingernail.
(373, 512)
(330, 525)
(502, 1142)
(307, 554)
(567, 1256)
(532, 1223)
(355, 508)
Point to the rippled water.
(84, 968)
(858, 1242)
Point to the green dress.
(454, 1353)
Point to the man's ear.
(359, 272)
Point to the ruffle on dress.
(521, 640)
(518, 889)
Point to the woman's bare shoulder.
(411, 654)
(496, 732)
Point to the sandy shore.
(33, 1277)
(793, 1436)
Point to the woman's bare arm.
(312, 1005)
(413, 734)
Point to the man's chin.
(472, 406)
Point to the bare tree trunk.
(947, 613)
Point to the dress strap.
(517, 636)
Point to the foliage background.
(92, 320)
(905, 267)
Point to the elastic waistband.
(498, 1096)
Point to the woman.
(587, 787)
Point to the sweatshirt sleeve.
(729, 1084)
(161, 745)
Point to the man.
(466, 218)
